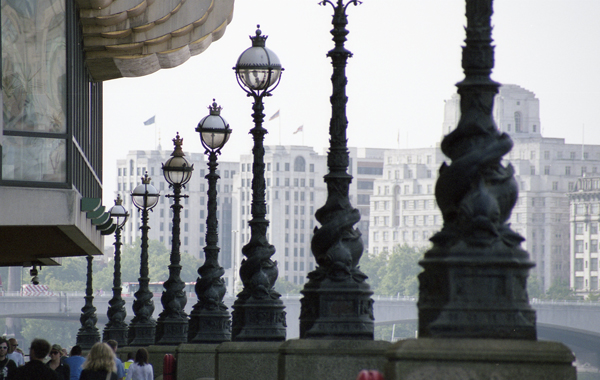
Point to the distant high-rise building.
(403, 208)
(584, 218)
(193, 215)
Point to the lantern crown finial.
(215, 109)
(178, 142)
(119, 200)
(258, 40)
(145, 179)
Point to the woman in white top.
(140, 369)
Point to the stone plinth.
(196, 361)
(247, 360)
(474, 359)
(301, 359)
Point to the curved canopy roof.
(132, 38)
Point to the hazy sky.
(406, 61)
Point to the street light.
(210, 321)
(88, 333)
(172, 323)
(258, 312)
(337, 283)
(116, 328)
(142, 328)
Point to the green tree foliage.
(395, 273)
(69, 276)
(534, 287)
(61, 332)
(560, 290)
(286, 287)
(158, 265)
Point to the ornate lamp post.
(88, 333)
(116, 328)
(142, 328)
(337, 301)
(210, 321)
(258, 312)
(172, 323)
(475, 277)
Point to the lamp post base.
(337, 310)
(86, 339)
(256, 320)
(210, 326)
(171, 331)
(118, 334)
(142, 334)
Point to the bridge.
(572, 323)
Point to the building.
(295, 190)
(194, 212)
(584, 219)
(403, 206)
(55, 55)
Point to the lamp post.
(142, 328)
(172, 323)
(337, 300)
(210, 321)
(116, 328)
(258, 312)
(474, 283)
(88, 333)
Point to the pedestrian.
(140, 369)
(7, 366)
(130, 356)
(100, 364)
(35, 369)
(17, 357)
(75, 361)
(120, 367)
(57, 365)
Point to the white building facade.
(403, 208)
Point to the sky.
(406, 62)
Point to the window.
(567, 170)
(579, 247)
(547, 170)
(555, 186)
(518, 127)
(578, 264)
(594, 249)
(594, 261)
(299, 164)
(287, 166)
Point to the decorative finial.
(146, 179)
(258, 40)
(215, 109)
(178, 142)
(119, 200)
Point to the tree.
(401, 272)
(285, 287)
(158, 265)
(534, 287)
(69, 276)
(560, 291)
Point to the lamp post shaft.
(210, 321)
(258, 312)
(88, 334)
(142, 329)
(172, 323)
(337, 283)
(475, 276)
(116, 328)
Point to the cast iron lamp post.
(474, 283)
(88, 333)
(258, 312)
(210, 321)
(172, 323)
(142, 328)
(337, 300)
(116, 328)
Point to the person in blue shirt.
(75, 361)
(120, 367)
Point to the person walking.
(140, 369)
(99, 364)
(7, 366)
(120, 367)
(57, 365)
(35, 369)
(75, 361)
(13, 354)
